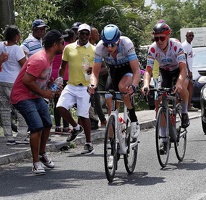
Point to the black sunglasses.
(190, 35)
(161, 38)
(110, 44)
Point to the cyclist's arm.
(134, 64)
(147, 77)
(182, 75)
(94, 78)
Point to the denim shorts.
(36, 113)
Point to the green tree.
(7, 14)
(29, 10)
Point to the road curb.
(53, 147)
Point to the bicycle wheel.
(162, 137)
(110, 149)
(130, 159)
(180, 145)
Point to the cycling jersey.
(120, 66)
(169, 61)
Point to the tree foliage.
(133, 18)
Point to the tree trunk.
(6, 13)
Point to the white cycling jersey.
(169, 61)
(126, 53)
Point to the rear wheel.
(180, 145)
(162, 137)
(110, 149)
(130, 159)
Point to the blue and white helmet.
(110, 34)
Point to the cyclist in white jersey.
(119, 55)
(172, 63)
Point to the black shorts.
(169, 78)
(116, 74)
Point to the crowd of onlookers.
(28, 72)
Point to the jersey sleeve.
(179, 51)
(98, 52)
(151, 56)
(129, 49)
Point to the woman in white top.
(10, 70)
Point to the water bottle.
(57, 83)
(85, 67)
(122, 125)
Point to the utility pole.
(6, 13)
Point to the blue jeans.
(36, 114)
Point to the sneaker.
(163, 148)
(46, 160)
(38, 169)
(58, 130)
(135, 129)
(11, 142)
(185, 120)
(22, 141)
(110, 162)
(74, 134)
(88, 149)
(66, 131)
(192, 109)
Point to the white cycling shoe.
(135, 129)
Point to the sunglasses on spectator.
(161, 38)
(84, 33)
(190, 35)
(110, 44)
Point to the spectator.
(189, 57)
(75, 27)
(55, 68)
(28, 93)
(75, 91)
(33, 43)
(96, 103)
(10, 70)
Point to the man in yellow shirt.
(79, 56)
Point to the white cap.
(84, 27)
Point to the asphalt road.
(79, 177)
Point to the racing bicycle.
(168, 127)
(117, 139)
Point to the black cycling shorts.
(169, 78)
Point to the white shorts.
(75, 95)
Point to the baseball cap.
(76, 25)
(53, 36)
(38, 23)
(84, 27)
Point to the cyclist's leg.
(184, 95)
(126, 81)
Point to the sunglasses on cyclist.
(110, 44)
(161, 38)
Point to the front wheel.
(110, 149)
(130, 159)
(180, 144)
(162, 137)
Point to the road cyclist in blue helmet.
(119, 54)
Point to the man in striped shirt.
(33, 43)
